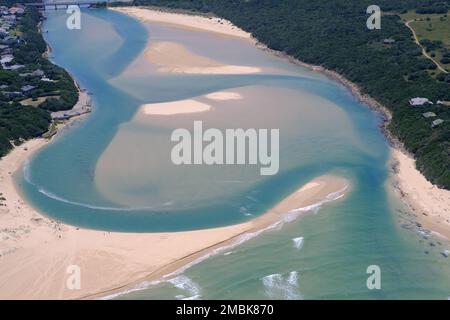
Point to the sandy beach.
(35, 251)
(430, 205)
(175, 58)
(214, 25)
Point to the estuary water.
(112, 170)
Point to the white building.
(6, 58)
(429, 114)
(436, 122)
(419, 101)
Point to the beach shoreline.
(332, 188)
(211, 24)
(429, 205)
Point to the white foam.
(185, 283)
(278, 286)
(286, 218)
(26, 170)
(181, 282)
(141, 286)
(196, 297)
(51, 195)
(298, 242)
(245, 211)
(329, 198)
(252, 198)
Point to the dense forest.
(20, 122)
(333, 34)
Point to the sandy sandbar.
(187, 106)
(174, 107)
(171, 57)
(224, 95)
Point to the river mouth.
(117, 161)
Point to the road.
(424, 52)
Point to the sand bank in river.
(224, 95)
(35, 251)
(175, 58)
(174, 107)
(187, 105)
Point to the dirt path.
(424, 52)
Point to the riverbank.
(82, 107)
(216, 25)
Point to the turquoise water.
(323, 129)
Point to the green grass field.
(433, 27)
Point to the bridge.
(61, 4)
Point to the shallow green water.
(112, 171)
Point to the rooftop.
(436, 122)
(27, 88)
(419, 101)
(429, 114)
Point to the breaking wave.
(277, 286)
(185, 283)
(286, 218)
(141, 286)
(182, 282)
(298, 242)
(48, 194)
